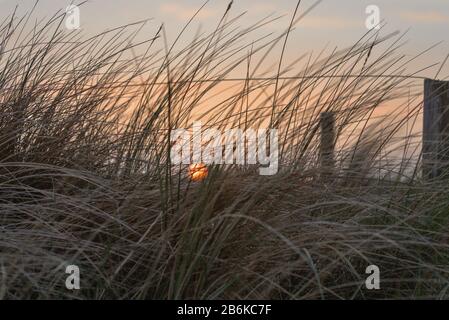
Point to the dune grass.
(85, 176)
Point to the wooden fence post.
(327, 144)
(435, 148)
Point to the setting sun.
(198, 172)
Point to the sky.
(331, 23)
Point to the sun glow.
(198, 172)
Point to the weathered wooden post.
(435, 149)
(327, 143)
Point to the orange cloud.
(425, 17)
(326, 22)
(182, 12)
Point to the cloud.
(183, 12)
(326, 22)
(262, 8)
(425, 17)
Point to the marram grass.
(85, 176)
